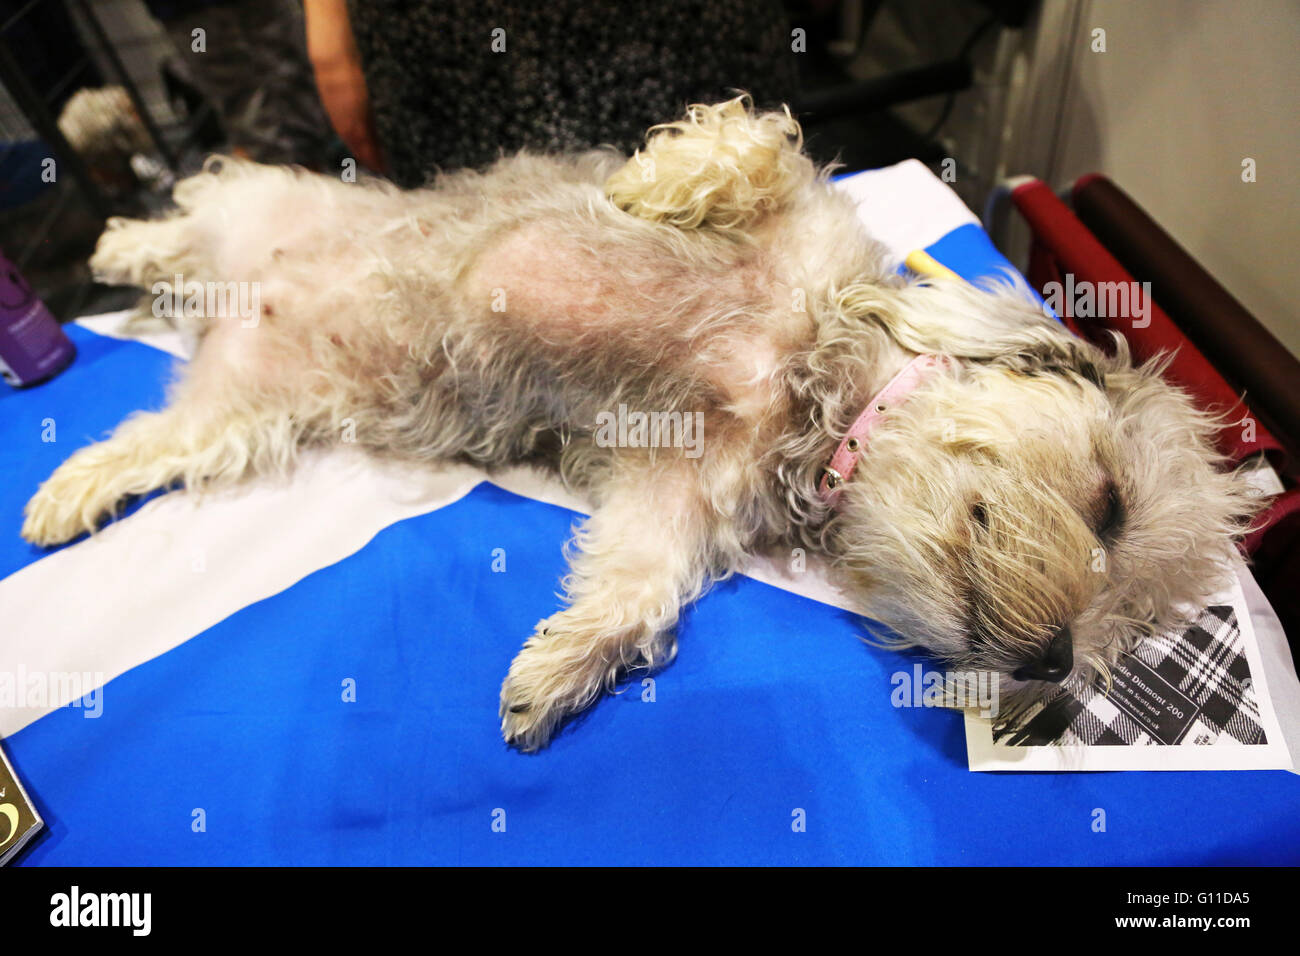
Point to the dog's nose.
(1055, 664)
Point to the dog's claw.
(533, 702)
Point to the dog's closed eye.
(1110, 512)
(979, 512)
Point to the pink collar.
(854, 444)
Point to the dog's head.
(1037, 506)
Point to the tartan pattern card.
(1190, 699)
(1191, 687)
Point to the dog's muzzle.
(1055, 664)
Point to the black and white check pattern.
(1206, 663)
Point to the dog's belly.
(446, 354)
(634, 315)
(563, 288)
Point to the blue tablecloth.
(770, 740)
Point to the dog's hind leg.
(723, 167)
(139, 252)
(183, 443)
(643, 553)
(223, 422)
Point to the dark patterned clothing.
(255, 72)
(572, 75)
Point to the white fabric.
(906, 206)
(111, 324)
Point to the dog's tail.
(723, 167)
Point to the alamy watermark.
(1100, 300)
(964, 690)
(624, 429)
(212, 300)
(40, 689)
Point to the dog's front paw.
(532, 701)
(575, 656)
(550, 679)
(527, 720)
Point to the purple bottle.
(32, 346)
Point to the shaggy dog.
(992, 488)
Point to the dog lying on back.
(992, 488)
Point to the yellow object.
(924, 264)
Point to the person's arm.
(339, 78)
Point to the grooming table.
(306, 672)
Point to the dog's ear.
(999, 323)
(1054, 356)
